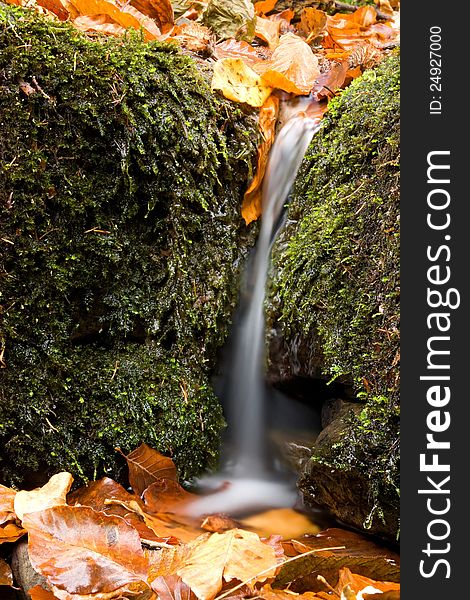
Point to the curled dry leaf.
(236, 49)
(7, 510)
(53, 493)
(252, 200)
(313, 22)
(348, 30)
(11, 532)
(268, 31)
(218, 557)
(99, 24)
(146, 466)
(123, 14)
(238, 82)
(81, 551)
(161, 11)
(331, 80)
(359, 583)
(293, 67)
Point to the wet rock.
(120, 207)
(333, 308)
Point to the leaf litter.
(94, 544)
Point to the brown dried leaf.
(62, 9)
(99, 24)
(348, 30)
(238, 82)
(81, 551)
(268, 593)
(264, 6)
(11, 532)
(161, 11)
(293, 67)
(285, 522)
(146, 466)
(268, 31)
(218, 523)
(313, 22)
(218, 557)
(384, 6)
(39, 593)
(358, 583)
(172, 587)
(331, 80)
(123, 15)
(7, 510)
(233, 48)
(167, 561)
(53, 493)
(6, 576)
(192, 36)
(166, 495)
(252, 200)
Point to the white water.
(247, 481)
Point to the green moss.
(337, 266)
(120, 190)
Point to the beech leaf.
(268, 31)
(53, 493)
(11, 532)
(146, 466)
(238, 82)
(161, 11)
(293, 67)
(82, 551)
(236, 49)
(39, 593)
(7, 510)
(264, 6)
(218, 557)
(313, 21)
(230, 18)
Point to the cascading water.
(247, 471)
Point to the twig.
(237, 587)
(352, 7)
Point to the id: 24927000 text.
(435, 70)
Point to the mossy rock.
(334, 301)
(121, 182)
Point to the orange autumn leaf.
(192, 36)
(251, 206)
(11, 532)
(264, 6)
(348, 30)
(166, 495)
(357, 583)
(313, 22)
(7, 510)
(122, 14)
(99, 24)
(332, 79)
(286, 15)
(82, 552)
(62, 9)
(384, 6)
(146, 466)
(161, 11)
(233, 48)
(39, 593)
(293, 67)
(268, 31)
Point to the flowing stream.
(247, 481)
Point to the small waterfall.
(247, 470)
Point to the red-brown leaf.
(172, 587)
(85, 552)
(160, 11)
(146, 466)
(7, 498)
(6, 576)
(166, 495)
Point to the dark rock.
(120, 206)
(333, 310)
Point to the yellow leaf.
(219, 557)
(252, 201)
(53, 493)
(293, 67)
(238, 82)
(268, 31)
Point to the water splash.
(247, 480)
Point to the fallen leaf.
(11, 532)
(62, 9)
(285, 522)
(96, 493)
(161, 11)
(82, 551)
(146, 466)
(268, 31)
(124, 15)
(264, 6)
(218, 523)
(99, 24)
(166, 495)
(313, 22)
(218, 557)
(230, 18)
(348, 30)
(268, 593)
(172, 587)
(384, 6)
(192, 36)
(286, 15)
(331, 80)
(236, 49)
(39, 593)
(252, 200)
(6, 576)
(53, 493)
(238, 82)
(167, 561)
(293, 67)
(7, 510)
(359, 583)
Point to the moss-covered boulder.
(333, 310)
(121, 181)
